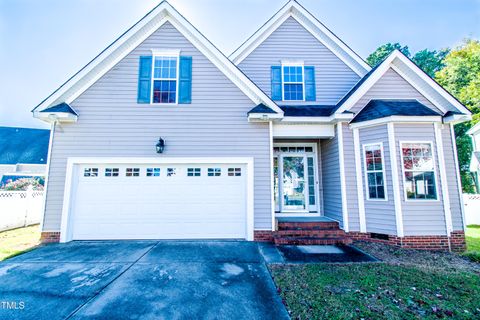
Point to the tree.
(430, 61)
(383, 51)
(461, 77)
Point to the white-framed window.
(90, 172)
(112, 172)
(293, 82)
(132, 172)
(374, 171)
(234, 172)
(165, 79)
(418, 170)
(194, 172)
(153, 172)
(171, 172)
(214, 172)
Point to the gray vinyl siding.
(452, 171)
(112, 124)
(379, 215)
(420, 217)
(392, 86)
(332, 200)
(350, 179)
(333, 78)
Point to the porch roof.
(308, 110)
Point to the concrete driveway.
(139, 280)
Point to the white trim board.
(73, 162)
(395, 179)
(390, 62)
(161, 14)
(397, 119)
(343, 183)
(311, 24)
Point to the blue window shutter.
(185, 80)
(144, 79)
(276, 82)
(310, 94)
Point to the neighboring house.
(474, 133)
(23, 153)
(293, 130)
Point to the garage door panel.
(118, 206)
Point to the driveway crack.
(110, 282)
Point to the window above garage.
(165, 77)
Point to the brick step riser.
(340, 241)
(300, 226)
(310, 233)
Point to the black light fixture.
(160, 145)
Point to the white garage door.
(158, 201)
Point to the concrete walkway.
(140, 280)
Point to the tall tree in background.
(430, 61)
(383, 51)
(461, 77)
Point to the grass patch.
(376, 291)
(17, 241)
(472, 235)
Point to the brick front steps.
(298, 232)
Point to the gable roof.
(377, 109)
(23, 145)
(475, 129)
(130, 39)
(293, 9)
(409, 71)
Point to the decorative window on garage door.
(133, 172)
(90, 172)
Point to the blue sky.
(42, 43)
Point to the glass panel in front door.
(293, 190)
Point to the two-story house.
(294, 138)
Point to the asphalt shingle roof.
(62, 107)
(23, 145)
(376, 109)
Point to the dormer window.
(165, 79)
(293, 86)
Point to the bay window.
(374, 171)
(418, 170)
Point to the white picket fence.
(20, 208)
(472, 208)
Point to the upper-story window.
(293, 85)
(165, 79)
(292, 81)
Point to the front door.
(295, 178)
(293, 188)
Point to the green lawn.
(377, 291)
(14, 242)
(473, 242)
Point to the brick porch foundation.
(50, 237)
(437, 243)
